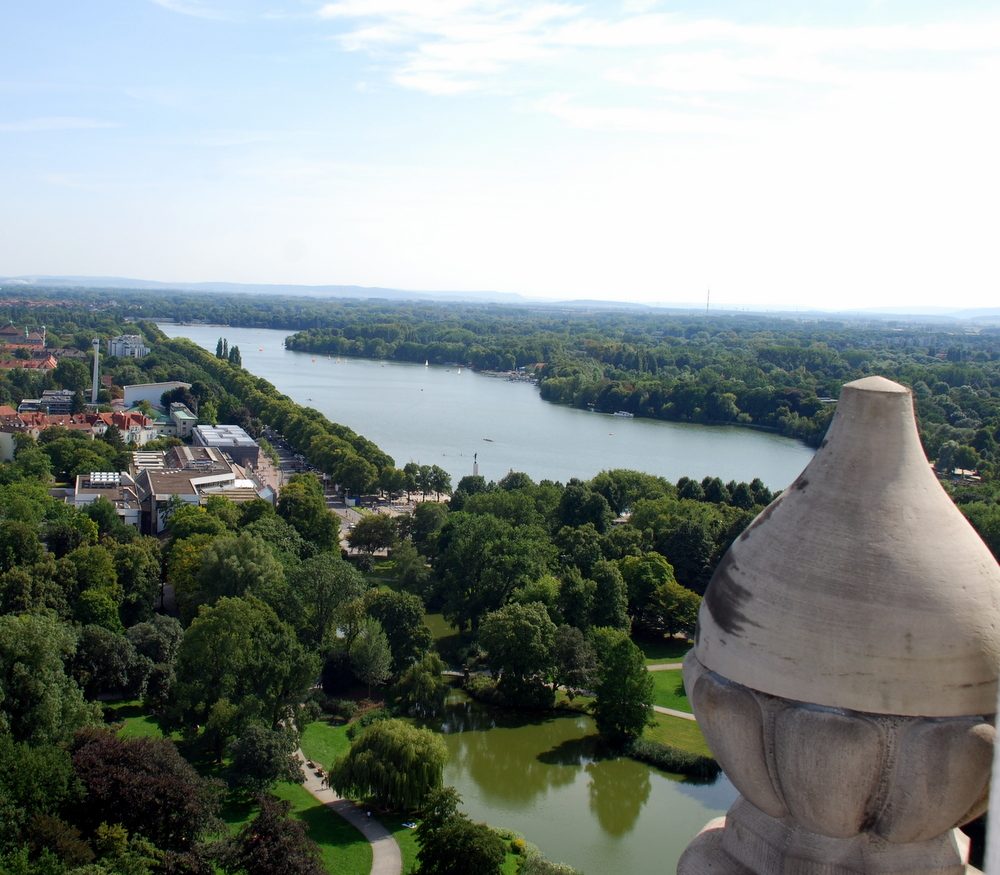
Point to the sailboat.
(426, 363)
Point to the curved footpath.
(386, 857)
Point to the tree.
(34, 780)
(575, 660)
(580, 505)
(274, 842)
(264, 756)
(610, 596)
(482, 560)
(41, 703)
(371, 657)
(428, 519)
(421, 690)
(439, 480)
(623, 704)
(518, 640)
(376, 531)
(158, 639)
(240, 651)
(394, 763)
(218, 349)
(235, 565)
(642, 575)
(145, 785)
(451, 844)
(401, 615)
(321, 585)
(234, 357)
(19, 544)
(108, 663)
(71, 374)
(303, 505)
(137, 565)
(673, 609)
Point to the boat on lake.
(624, 413)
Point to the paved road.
(386, 858)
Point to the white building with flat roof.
(229, 439)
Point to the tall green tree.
(40, 702)
(303, 505)
(371, 656)
(519, 641)
(240, 651)
(623, 703)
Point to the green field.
(668, 690)
(664, 650)
(324, 743)
(677, 732)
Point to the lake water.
(447, 416)
(547, 780)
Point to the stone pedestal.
(845, 666)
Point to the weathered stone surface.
(731, 721)
(828, 768)
(861, 586)
(941, 779)
(763, 844)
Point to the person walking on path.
(386, 856)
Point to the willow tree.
(395, 764)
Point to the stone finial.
(845, 667)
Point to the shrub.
(375, 715)
(672, 759)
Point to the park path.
(665, 666)
(659, 709)
(386, 857)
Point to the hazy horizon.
(832, 158)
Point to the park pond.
(549, 780)
(454, 417)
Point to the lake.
(451, 416)
(548, 780)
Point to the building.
(136, 428)
(55, 402)
(117, 487)
(181, 421)
(231, 440)
(151, 392)
(190, 474)
(127, 346)
(48, 363)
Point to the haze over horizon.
(636, 151)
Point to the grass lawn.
(677, 732)
(405, 838)
(324, 742)
(136, 723)
(664, 650)
(668, 690)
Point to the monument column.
(845, 667)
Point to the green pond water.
(550, 781)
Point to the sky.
(835, 154)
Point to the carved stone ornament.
(845, 667)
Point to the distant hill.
(117, 282)
(979, 317)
